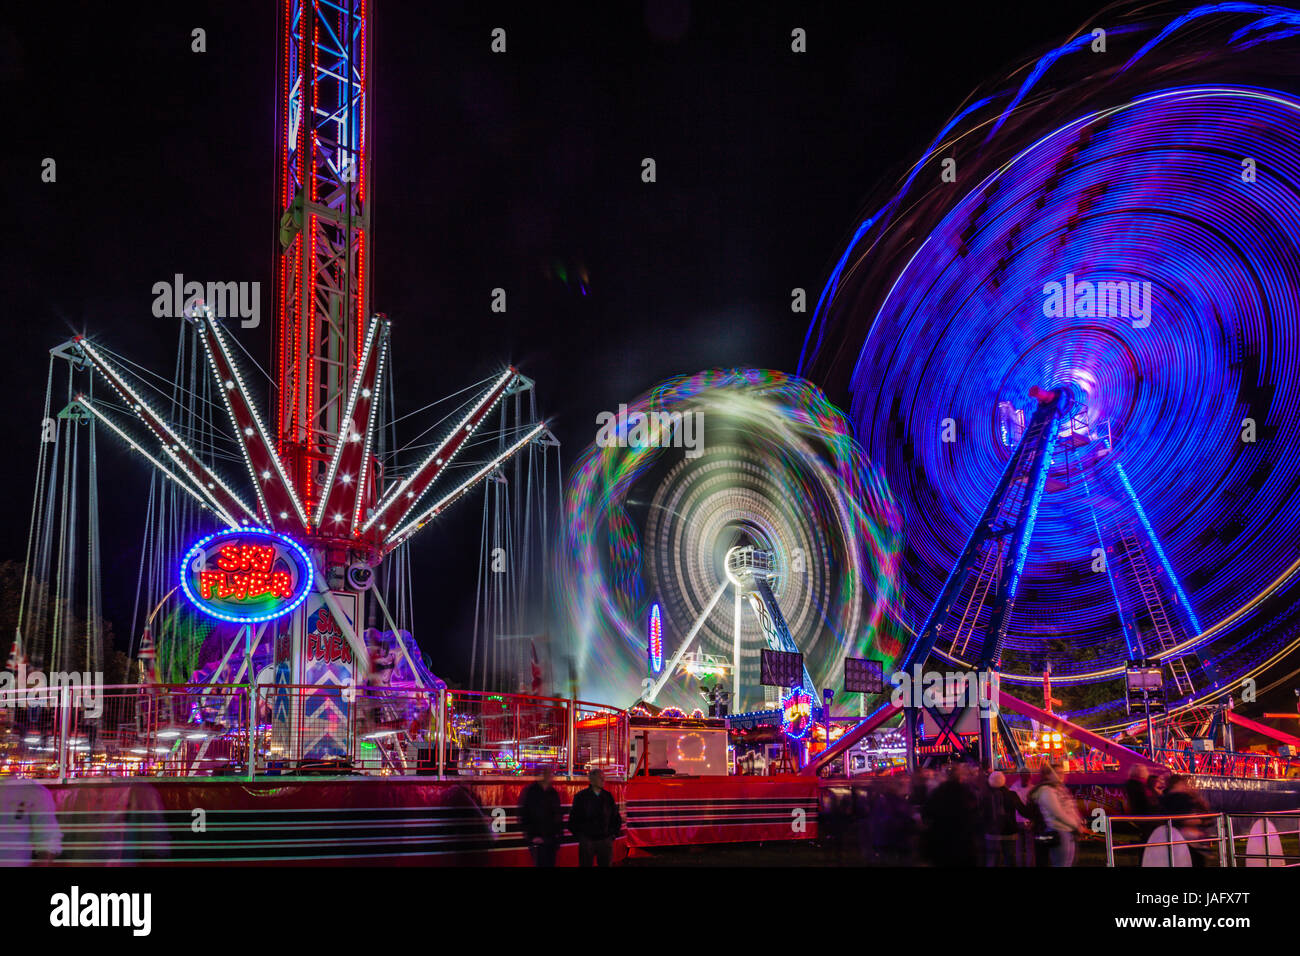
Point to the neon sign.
(691, 748)
(796, 714)
(246, 575)
(656, 645)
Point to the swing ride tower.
(329, 499)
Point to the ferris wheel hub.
(748, 565)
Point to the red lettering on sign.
(328, 648)
(244, 572)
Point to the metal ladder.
(1166, 636)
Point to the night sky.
(487, 170)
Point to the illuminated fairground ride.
(1070, 339)
(294, 591)
(746, 481)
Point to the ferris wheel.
(775, 505)
(1072, 351)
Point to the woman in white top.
(1060, 816)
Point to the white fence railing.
(1269, 838)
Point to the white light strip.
(395, 493)
(411, 526)
(257, 420)
(168, 437)
(199, 495)
(342, 438)
(363, 475)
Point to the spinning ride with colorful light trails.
(731, 479)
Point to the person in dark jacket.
(892, 825)
(1002, 810)
(1139, 801)
(595, 821)
(542, 818)
(951, 817)
(1179, 798)
(1138, 798)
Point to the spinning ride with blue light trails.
(1070, 339)
(742, 480)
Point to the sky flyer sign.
(246, 575)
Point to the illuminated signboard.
(780, 668)
(796, 714)
(656, 645)
(863, 676)
(245, 575)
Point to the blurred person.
(1181, 797)
(1061, 822)
(595, 821)
(1158, 785)
(923, 784)
(892, 823)
(1139, 799)
(951, 815)
(29, 826)
(541, 817)
(839, 822)
(1021, 784)
(1002, 829)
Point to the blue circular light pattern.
(1192, 194)
(294, 551)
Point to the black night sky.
(486, 168)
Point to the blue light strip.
(828, 290)
(1039, 485)
(1110, 577)
(1160, 552)
(1271, 15)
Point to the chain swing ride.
(330, 499)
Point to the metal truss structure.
(969, 620)
(319, 466)
(750, 571)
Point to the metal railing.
(1192, 822)
(1269, 832)
(189, 730)
(1225, 763)
(1270, 838)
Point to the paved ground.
(1091, 853)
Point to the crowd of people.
(962, 818)
(1173, 797)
